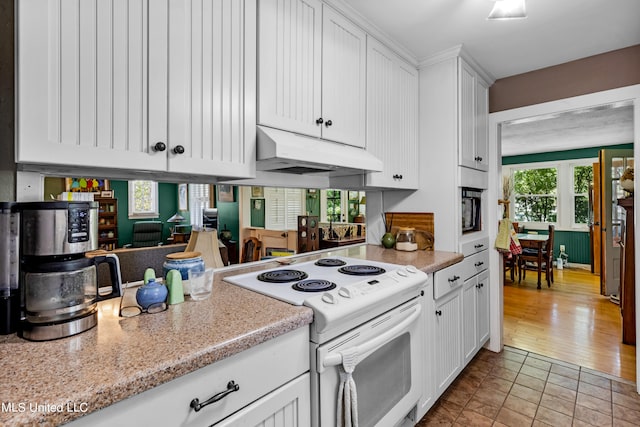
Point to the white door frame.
(628, 93)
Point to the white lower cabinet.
(273, 389)
(456, 320)
(447, 324)
(469, 318)
(428, 397)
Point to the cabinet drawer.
(474, 264)
(474, 246)
(257, 371)
(447, 279)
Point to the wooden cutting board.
(418, 220)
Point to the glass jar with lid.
(406, 239)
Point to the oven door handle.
(335, 359)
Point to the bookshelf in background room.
(107, 223)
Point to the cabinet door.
(288, 406)
(447, 343)
(289, 57)
(483, 308)
(406, 120)
(343, 79)
(469, 318)
(428, 397)
(392, 113)
(482, 125)
(466, 120)
(211, 84)
(83, 83)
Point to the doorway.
(627, 94)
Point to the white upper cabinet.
(473, 99)
(392, 118)
(212, 87)
(344, 62)
(312, 71)
(289, 61)
(134, 85)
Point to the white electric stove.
(343, 292)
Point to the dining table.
(533, 241)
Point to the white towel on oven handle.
(347, 407)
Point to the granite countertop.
(122, 357)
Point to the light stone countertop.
(122, 357)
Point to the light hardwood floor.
(570, 321)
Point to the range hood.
(288, 152)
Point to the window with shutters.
(199, 198)
(282, 207)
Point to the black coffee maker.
(58, 274)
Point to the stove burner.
(361, 270)
(313, 285)
(330, 262)
(282, 276)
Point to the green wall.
(582, 153)
(228, 215)
(167, 204)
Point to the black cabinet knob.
(159, 146)
(438, 312)
(178, 149)
(478, 159)
(328, 123)
(319, 121)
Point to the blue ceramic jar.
(183, 265)
(151, 293)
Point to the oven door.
(387, 374)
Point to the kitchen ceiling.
(555, 31)
(590, 127)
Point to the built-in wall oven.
(366, 337)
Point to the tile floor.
(516, 388)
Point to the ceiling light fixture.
(508, 9)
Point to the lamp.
(508, 9)
(176, 218)
(359, 218)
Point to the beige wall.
(7, 165)
(610, 70)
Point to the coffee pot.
(58, 270)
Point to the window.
(582, 178)
(556, 192)
(282, 207)
(536, 195)
(334, 205)
(143, 199)
(199, 197)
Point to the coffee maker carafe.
(58, 276)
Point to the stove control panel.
(366, 287)
(339, 307)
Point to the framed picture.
(257, 192)
(183, 201)
(225, 193)
(107, 194)
(86, 185)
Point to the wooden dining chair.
(529, 256)
(251, 249)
